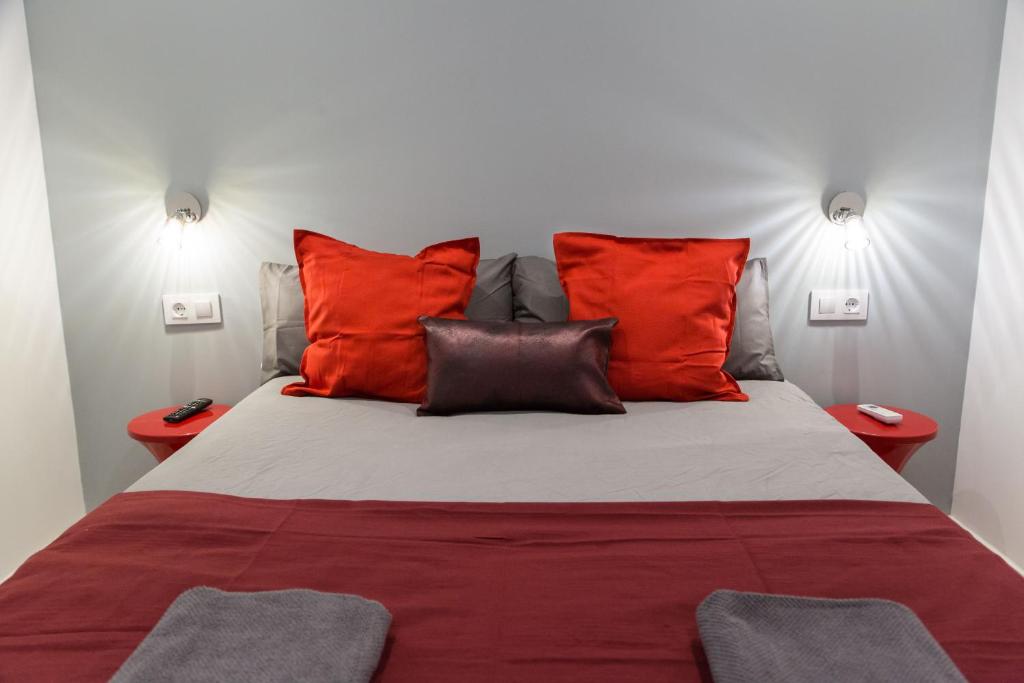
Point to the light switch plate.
(839, 304)
(191, 309)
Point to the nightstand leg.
(161, 451)
(895, 456)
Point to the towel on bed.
(759, 637)
(288, 635)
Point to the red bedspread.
(505, 592)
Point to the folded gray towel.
(758, 637)
(290, 635)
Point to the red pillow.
(362, 309)
(676, 304)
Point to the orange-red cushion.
(362, 309)
(676, 304)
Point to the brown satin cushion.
(476, 366)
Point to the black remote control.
(188, 410)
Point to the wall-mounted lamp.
(184, 208)
(847, 210)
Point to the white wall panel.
(988, 496)
(40, 484)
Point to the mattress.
(778, 446)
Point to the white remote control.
(889, 417)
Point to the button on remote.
(188, 410)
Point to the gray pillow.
(752, 351)
(284, 322)
(283, 308)
(538, 297)
(492, 294)
(537, 294)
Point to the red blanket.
(505, 592)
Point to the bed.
(513, 546)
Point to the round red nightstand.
(892, 443)
(164, 438)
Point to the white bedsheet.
(779, 446)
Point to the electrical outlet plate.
(191, 309)
(839, 304)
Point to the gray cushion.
(284, 322)
(537, 294)
(492, 294)
(283, 308)
(752, 351)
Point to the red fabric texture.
(361, 311)
(676, 304)
(505, 592)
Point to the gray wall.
(394, 124)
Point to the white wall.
(40, 484)
(395, 124)
(988, 496)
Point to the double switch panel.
(839, 304)
(191, 309)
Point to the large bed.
(513, 546)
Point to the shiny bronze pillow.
(474, 366)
